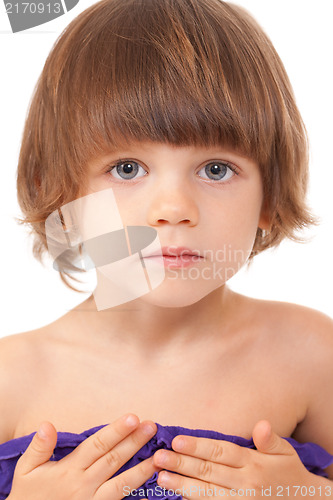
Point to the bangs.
(170, 71)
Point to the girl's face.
(207, 199)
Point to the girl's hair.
(185, 72)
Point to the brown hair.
(185, 72)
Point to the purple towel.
(313, 456)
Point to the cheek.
(242, 223)
(130, 206)
(235, 229)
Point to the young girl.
(173, 119)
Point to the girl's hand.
(209, 467)
(84, 474)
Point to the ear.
(264, 222)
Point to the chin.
(179, 294)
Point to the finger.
(221, 452)
(100, 443)
(267, 441)
(197, 468)
(114, 459)
(189, 488)
(123, 484)
(39, 450)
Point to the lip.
(173, 256)
(173, 251)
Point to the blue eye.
(127, 169)
(218, 171)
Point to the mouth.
(173, 251)
(173, 256)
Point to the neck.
(143, 325)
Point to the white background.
(33, 295)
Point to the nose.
(173, 206)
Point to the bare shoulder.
(312, 332)
(19, 359)
(23, 364)
(300, 324)
(298, 337)
(301, 339)
(293, 323)
(308, 333)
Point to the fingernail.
(178, 444)
(163, 478)
(131, 420)
(161, 457)
(41, 432)
(148, 429)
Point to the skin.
(252, 365)
(84, 474)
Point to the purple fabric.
(313, 456)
